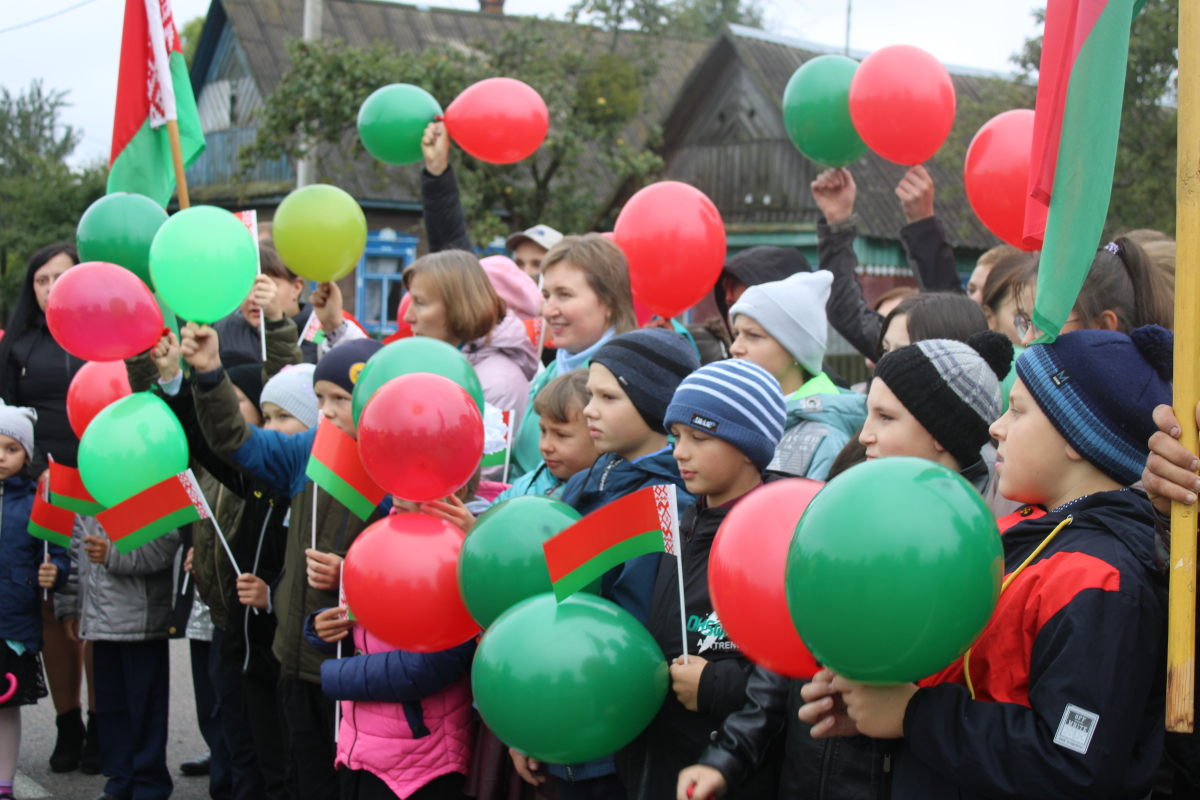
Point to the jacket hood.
(845, 412)
(509, 339)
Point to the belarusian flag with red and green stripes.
(67, 491)
(336, 467)
(638, 524)
(162, 508)
(1081, 83)
(153, 87)
(47, 522)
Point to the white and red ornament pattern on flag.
(192, 486)
(668, 518)
(163, 40)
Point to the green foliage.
(189, 38)
(41, 197)
(707, 17)
(571, 66)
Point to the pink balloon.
(102, 312)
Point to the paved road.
(35, 780)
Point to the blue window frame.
(377, 283)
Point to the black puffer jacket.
(675, 739)
(37, 375)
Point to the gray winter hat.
(292, 390)
(17, 422)
(793, 311)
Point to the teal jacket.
(818, 427)
(539, 482)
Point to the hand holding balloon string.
(166, 356)
(200, 347)
(326, 301)
(685, 680)
(452, 510)
(529, 769)
(700, 782)
(915, 191)
(835, 706)
(435, 146)
(834, 191)
(332, 625)
(324, 569)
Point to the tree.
(707, 17)
(189, 38)
(41, 197)
(591, 78)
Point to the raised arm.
(445, 223)
(847, 309)
(930, 255)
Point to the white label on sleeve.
(1076, 729)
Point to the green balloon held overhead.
(129, 446)
(320, 232)
(414, 354)
(568, 682)
(894, 570)
(392, 121)
(119, 228)
(502, 562)
(816, 111)
(203, 261)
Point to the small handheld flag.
(312, 331)
(250, 220)
(337, 468)
(67, 491)
(155, 511)
(49, 522)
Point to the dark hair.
(853, 454)
(940, 315)
(1003, 276)
(272, 264)
(1127, 284)
(26, 313)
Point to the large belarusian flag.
(67, 491)
(336, 467)
(49, 522)
(638, 524)
(152, 87)
(1081, 82)
(162, 508)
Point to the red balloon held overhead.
(95, 386)
(498, 120)
(902, 103)
(996, 174)
(102, 312)
(421, 436)
(746, 570)
(674, 239)
(401, 582)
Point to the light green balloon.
(203, 262)
(129, 446)
(320, 232)
(392, 121)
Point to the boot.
(69, 747)
(90, 763)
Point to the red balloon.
(498, 120)
(902, 103)
(640, 311)
(102, 312)
(403, 329)
(996, 174)
(745, 576)
(97, 385)
(421, 436)
(401, 582)
(674, 240)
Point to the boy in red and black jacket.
(1062, 694)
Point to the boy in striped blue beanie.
(727, 418)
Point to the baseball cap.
(542, 235)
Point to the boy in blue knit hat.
(1062, 694)
(727, 419)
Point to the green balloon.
(129, 446)
(169, 317)
(414, 354)
(203, 261)
(894, 570)
(816, 111)
(392, 121)
(320, 232)
(502, 562)
(568, 682)
(118, 228)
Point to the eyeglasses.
(1024, 325)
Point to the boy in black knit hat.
(1062, 693)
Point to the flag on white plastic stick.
(250, 220)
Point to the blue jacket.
(539, 482)
(631, 585)
(20, 557)
(818, 427)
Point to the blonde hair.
(998, 252)
(606, 270)
(472, 306)
(563, 397)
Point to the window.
(378, 289)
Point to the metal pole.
(306, 168)
(846, 52)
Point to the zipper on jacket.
(254, 571)
(885, 784)
(826, 764)
(604, 475)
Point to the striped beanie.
(649, 364)
(1099, 389)
(736, 401)
(953, 389)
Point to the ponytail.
(1123, 281)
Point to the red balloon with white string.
(498, 120)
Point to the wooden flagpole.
(177, 157)
(1181, 632)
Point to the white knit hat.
(17, 422)
(292, 390)
(793, 312)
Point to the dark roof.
(265, 26)
(771, 60)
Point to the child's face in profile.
(709, 466)
(612, 419)
(275, 418)
(248, 409)
(891, 430)
(12, 456)
(1031, 455)
(336, 405)
(566, 447)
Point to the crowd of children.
(1061, 696)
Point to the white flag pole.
(677, 547)
(508, 441)
(45, 560)
(314, 516)
(213, 519)
(262, 312)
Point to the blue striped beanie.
(1099, 389)
(737, 401)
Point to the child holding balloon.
(1062, 693)
(310, 577)
(21, 682)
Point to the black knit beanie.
(953, 389)
(649, 364)
(248, 378)
(342, 364)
